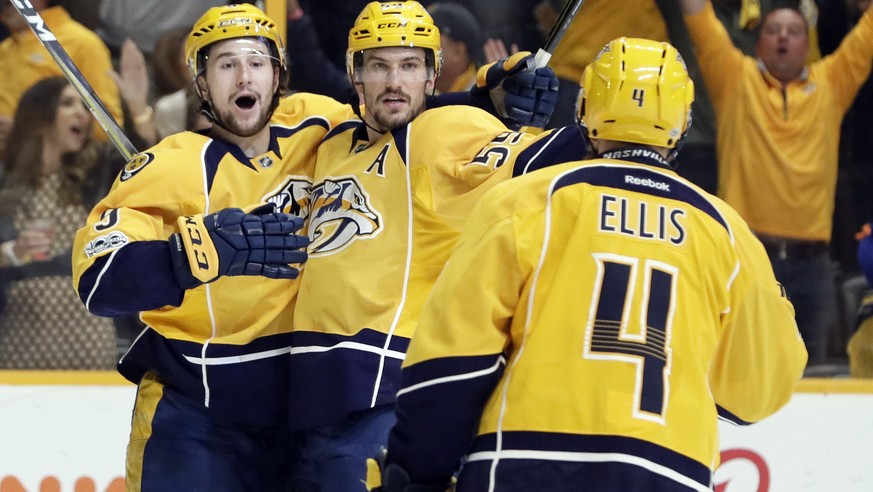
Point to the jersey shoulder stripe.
(565, 144)
(302, 105)
(343, 127)
(641, 180)
(279, 130)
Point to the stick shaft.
(558, 30)
(75, 77)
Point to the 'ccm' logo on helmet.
(389, 25)
(234, 21)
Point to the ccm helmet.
(388, 24)
(637, 91)
(231, 22)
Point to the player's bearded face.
(241, 79)
(394, 82)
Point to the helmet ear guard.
(637, 91)
(393, 24)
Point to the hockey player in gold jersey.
(596, 318)
(214, 284)
(166, 241)
(390, 193)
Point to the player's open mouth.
(77, 130)
(393, 100)
(245, 102)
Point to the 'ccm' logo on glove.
(232, 242)
(201, 254)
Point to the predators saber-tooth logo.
(292, 197)
(341, 214)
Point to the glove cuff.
(181, 266)
(198, 248)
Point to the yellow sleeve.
(471, 305)
(470, 155)
(760, 356)
(849, 66)
(142, 209)
(720, 61)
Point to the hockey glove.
(232, 242)
(394, 478)
(519, 91)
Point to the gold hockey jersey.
(593, 323)
(225, 342)
(384, 216)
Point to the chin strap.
(671, 158)
(355, 101)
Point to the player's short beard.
(226, 120)
(386, 123)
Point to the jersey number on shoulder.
(497, 151)
(108, 220)
(633, 324)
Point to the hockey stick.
(75, 77)
(544, 54)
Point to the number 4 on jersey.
(642, 339)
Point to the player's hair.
(233, 22)
(637, 91)
(389, 24)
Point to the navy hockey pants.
(177, 446)
(333, 458)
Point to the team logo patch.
(105, 243)
(135, 165)
(341, 214)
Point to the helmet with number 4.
(232, 22)
(637, 91)
(390, 24)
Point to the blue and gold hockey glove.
(233, 242)
(393, 478)
(520, 92)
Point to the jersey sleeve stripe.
(494, 368)
(595, 449)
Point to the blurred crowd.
(57, 162)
